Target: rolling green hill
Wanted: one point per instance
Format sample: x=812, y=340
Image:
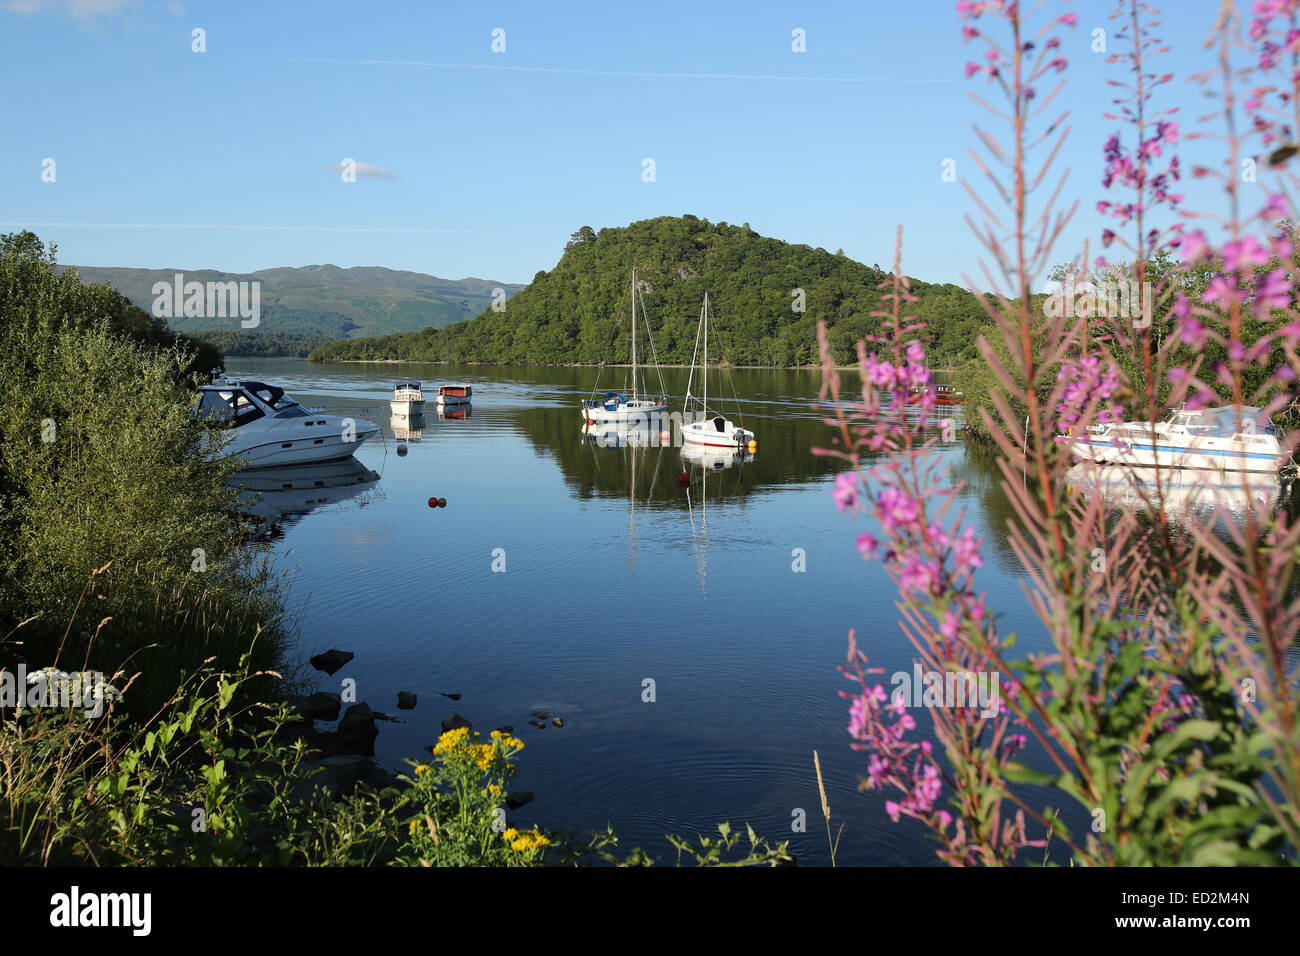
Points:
x=570, y=314
x=323, y=300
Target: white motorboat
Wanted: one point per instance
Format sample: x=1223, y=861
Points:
x=617, y=408
x=1224, y=441
x=455, y=394
x=700, y=424
x=407, y=399
x=267, y=428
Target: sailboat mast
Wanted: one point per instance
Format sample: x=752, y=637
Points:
x=634, y=335
x=704, y=372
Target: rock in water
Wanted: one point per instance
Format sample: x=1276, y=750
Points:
x=506, y=729
x=557, y=721
x=541, y=714
x=540, y=725
x=452, y=696
x=516, y=800
x=319, y=706
x=357, y=728
x=405, y=700
x=455, y=722
x=331, y=661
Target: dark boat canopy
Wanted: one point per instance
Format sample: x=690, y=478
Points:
x=397, y=385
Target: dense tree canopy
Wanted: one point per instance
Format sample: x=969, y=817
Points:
x=572, y=313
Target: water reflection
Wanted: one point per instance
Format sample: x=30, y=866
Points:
x=455, y=413
x=278, y=494
x=1190, y=497
x=407, y=428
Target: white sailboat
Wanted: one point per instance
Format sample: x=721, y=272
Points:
x=710, y=428
x=617, y=408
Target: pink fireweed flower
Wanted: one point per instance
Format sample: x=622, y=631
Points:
x=1194, y=247
x=881, y=374
x=966, y=551
x=1192, y=332
x=1273, y=292
x=845, y=492
x=867, y=544
x=896, y=509
x=1243, y=254
x=1221, y=292
x=920, y=575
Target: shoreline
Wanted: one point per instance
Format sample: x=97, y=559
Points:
x=768, y=368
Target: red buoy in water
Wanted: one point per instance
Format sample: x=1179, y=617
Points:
x=433, y=502
x=684, y=479
x=442, y=502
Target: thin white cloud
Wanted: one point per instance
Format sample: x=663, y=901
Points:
x=628, y=73
x=241, y=227
x=364, y=170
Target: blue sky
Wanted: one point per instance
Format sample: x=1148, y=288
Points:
x=167, y=158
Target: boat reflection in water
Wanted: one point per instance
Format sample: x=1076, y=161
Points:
x=624, y=435
x=455, y=413
x=277, y=494
x=407, y=428
x=1192, y=497
x=697, y=462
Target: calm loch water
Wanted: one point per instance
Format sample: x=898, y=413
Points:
x=613, y=573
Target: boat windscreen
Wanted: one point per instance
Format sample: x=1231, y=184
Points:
x=273, y=396
x=1223, y=422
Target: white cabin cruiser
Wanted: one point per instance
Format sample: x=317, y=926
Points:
x=407, y=399
x=1226, y=441
x=268, y=428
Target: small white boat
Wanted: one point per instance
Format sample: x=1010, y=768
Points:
x=268, y=428
x=1224, y=441
x=454, y=394
x=619, y=409
x=708, y=427
x=407, y=399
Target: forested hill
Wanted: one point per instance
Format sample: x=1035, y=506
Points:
x=568, y=315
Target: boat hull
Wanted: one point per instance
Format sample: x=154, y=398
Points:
x=1221, y=457
x=708, y=435
x=266, y=449
x=640, y=415
x=406, y=408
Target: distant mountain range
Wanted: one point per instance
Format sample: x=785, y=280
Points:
x=322, y=302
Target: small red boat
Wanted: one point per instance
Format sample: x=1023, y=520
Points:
x=943, y=394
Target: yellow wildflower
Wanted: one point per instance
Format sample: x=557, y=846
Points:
x=494, y=788
x=510, y=834
x=530, y=840
x=421, y=768
x=451, y=740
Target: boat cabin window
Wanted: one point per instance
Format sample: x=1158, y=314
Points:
x=720, y=423
x=226, y=407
